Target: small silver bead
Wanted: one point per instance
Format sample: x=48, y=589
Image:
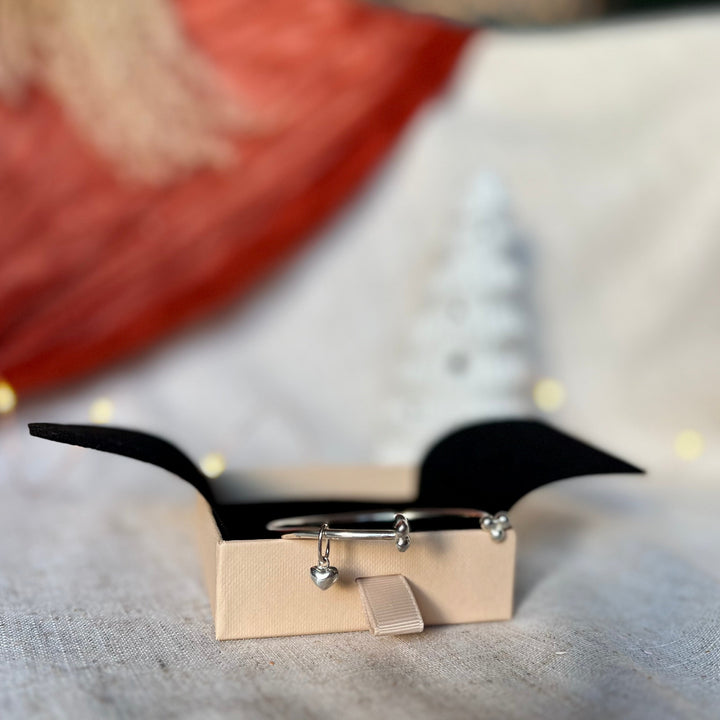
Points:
x=403, y=543
x=496, y=525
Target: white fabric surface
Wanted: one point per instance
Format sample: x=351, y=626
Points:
x=606, y=140
x=104, y=614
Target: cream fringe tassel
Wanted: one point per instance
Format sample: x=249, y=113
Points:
x=127, y=78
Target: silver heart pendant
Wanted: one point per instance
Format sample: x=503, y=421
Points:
x=324, y=576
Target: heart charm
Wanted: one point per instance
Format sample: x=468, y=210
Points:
x=324, y=575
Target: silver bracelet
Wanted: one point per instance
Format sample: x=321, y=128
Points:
x=318, y=527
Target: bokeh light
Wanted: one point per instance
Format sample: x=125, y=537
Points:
x=213, y=464
x=689, y=445
x=102, y=411
x=8, y=398
x=549, y=394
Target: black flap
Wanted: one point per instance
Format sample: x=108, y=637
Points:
x=488, y=466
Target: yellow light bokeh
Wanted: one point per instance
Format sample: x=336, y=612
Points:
x=549, y=395
x=102, y=411
x=8, y=398
x=689, y=445
x=213, y=464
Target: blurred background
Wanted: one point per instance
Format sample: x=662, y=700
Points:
x=330, y=231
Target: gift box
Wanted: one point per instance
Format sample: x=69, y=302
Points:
x=262, y=587
x=459, y=567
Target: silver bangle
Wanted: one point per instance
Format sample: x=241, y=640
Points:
x=317, y=527
x=307, y=526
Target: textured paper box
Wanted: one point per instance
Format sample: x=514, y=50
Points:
x=262, y=588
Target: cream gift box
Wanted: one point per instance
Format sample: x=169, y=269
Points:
x=262, y=588
x=259, y=584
